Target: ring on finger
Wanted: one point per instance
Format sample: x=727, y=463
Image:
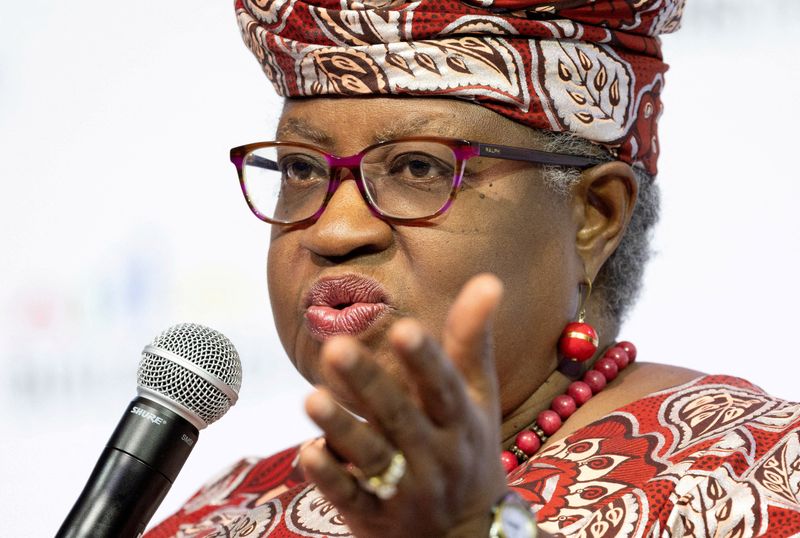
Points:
x=383, y=485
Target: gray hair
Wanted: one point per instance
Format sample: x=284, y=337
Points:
x=618, y=283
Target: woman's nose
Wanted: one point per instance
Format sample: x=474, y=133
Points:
x=347, y=227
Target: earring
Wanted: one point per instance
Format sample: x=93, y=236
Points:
x=579, y=340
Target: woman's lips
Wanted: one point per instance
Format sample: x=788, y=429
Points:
x=324, y=321
x=348, y=304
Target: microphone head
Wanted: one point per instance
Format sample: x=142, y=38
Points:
x=193, y=370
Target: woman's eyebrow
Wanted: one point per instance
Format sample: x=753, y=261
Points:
x=410, y=127
x=296, y=127
x=299, y=127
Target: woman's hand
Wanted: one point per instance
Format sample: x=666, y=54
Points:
x=449, y=432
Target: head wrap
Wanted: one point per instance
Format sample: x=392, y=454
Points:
x=590, y=67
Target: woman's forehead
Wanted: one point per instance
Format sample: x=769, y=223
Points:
x=331, y=122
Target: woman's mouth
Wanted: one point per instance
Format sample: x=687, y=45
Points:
x=348, y=304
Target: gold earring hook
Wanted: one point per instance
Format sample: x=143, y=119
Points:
x=585, y=290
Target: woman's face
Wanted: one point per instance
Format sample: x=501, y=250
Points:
x=505, y=220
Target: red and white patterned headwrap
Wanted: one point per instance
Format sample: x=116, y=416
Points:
x=590, y=67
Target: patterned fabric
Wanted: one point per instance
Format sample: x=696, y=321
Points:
x=714, y=457
x=590, y=67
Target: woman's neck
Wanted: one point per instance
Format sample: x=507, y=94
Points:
x=525, y=414
x=556, y=383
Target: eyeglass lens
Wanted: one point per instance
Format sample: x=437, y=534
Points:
x=409, y=179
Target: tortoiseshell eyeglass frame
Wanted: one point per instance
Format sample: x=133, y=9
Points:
x=463, y=150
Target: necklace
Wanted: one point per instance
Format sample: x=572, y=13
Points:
x=604, y=371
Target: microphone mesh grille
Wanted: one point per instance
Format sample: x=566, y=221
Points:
x=207, y=349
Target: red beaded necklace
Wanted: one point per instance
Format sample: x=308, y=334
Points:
x=604, y=371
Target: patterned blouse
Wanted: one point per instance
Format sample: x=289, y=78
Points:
x=714, y=457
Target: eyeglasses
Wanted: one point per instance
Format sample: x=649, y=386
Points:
x=406, y=180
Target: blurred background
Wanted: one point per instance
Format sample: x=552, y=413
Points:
x=120, y=215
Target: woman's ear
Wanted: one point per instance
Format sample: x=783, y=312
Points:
x=603, y=202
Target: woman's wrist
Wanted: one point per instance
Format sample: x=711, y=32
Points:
x=510, y=517
x=477, y=527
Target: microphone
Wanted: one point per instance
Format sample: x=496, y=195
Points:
x=188, y=377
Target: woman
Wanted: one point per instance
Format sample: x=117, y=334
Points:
x=477, y=389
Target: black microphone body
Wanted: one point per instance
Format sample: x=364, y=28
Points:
x=133, y=474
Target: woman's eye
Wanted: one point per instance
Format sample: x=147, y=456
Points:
x=418, y=166
x=299, y=169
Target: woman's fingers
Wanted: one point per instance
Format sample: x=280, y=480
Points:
x=467, y=337
x=388, y=406
x=347, y=437
x=334, y=482
x=438, y=383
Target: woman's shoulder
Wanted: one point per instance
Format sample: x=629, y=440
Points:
x=637, y=381
x=702, y=403
x=670, y=456
x=686, y=408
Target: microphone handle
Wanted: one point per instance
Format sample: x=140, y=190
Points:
x=133, y=474
x=119, y=499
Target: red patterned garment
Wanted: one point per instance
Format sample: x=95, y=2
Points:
x=714, y=457
x=589, y=67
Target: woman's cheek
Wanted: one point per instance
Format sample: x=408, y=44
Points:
x=284, y=286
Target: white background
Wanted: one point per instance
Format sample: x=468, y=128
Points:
x=120, y=215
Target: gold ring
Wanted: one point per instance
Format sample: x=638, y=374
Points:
x=384, y=485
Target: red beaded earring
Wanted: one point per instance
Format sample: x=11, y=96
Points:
x=579, y=340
